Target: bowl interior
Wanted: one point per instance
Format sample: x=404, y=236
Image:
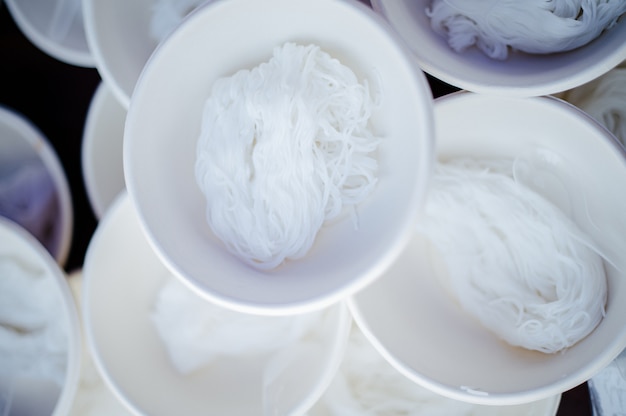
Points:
x=418, y=326
x=121, y=267
x=120, y=54
x=30, y=395
x=520, y=75
x=164, y=121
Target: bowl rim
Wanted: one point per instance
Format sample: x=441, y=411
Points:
x=44, y=151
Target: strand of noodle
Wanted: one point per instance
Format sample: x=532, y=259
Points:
x=283, y=148
x=514, y=260
x=532, y=26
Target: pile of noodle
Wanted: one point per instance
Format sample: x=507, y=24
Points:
x=514, y=260
x=604, y=99
x=533, y=26
x=196, y=332
x=167, y=14
x=283, y=148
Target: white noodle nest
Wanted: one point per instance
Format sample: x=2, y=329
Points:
x=604, y=99
x=514, y=260
x=533, y=26
x=196, y=332
x=283, y=148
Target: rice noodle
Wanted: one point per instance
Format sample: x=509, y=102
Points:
x=604, y=99
x=514, y=260
x=284, y=147
x=196, y=332
x=533, y=26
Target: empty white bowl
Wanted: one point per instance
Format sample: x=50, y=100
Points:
x=23, y=150
x=56, y=27
x=519, y=75
x=421, y=329
x=163, y=126
x=101, y=151
x=43, y=388
x=122, y=278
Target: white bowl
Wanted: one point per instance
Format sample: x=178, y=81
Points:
x=380, y=386
x=121, y=269
x=28, y=394
x=520, y=75
x=163, y=126
x=101, y=151
x=56, y=27
x=415, y=323
x=120, y=53
x=22, y=146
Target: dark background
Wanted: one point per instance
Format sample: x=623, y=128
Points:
x=55, y=97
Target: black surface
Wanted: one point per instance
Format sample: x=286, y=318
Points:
x=55, y=97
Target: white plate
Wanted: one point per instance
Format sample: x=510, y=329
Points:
x=101, y=151
x=122, y=277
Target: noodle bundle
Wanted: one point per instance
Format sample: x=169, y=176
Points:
x=514, y=260
x=604, y=99
x=283, y=148
x=196, y=332
x=533, y=26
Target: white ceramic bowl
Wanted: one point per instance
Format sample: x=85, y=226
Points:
x=120, y=53
x=380, y=389
x=32, y=396
x=22, y=145
x=415, y=323
x=56, y=27
x=164, y=121
x=520, y=75
x=101, y=151
x=121, y=269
